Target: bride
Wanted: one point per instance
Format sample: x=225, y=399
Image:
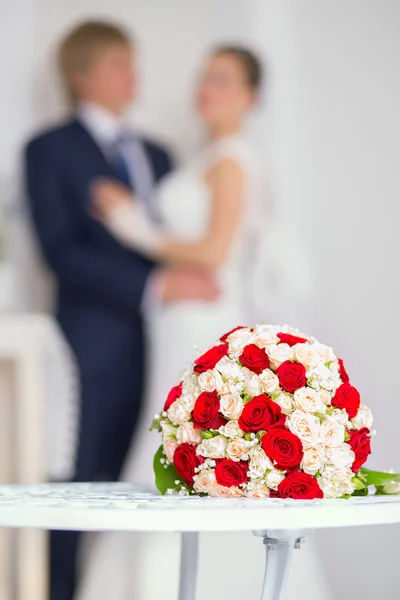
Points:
x=213, y=213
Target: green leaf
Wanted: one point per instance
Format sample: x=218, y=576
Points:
x=155, y=425
x=359, y=484
x=363, y=492
x=347, y=437
x=165, y=477
x=378, y=478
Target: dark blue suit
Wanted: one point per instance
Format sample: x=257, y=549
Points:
x=100, y=288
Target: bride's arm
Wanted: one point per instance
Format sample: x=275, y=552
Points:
x=124, y=217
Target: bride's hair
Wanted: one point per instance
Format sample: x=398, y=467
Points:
x=250, y=63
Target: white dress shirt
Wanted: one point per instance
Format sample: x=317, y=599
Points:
x=107, y=129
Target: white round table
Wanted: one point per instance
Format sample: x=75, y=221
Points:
x=282, y=524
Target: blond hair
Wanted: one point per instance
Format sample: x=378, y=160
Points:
x=82, y=45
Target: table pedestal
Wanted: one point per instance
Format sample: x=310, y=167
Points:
x=279, y=547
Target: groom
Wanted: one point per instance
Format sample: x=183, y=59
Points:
x=102, y=288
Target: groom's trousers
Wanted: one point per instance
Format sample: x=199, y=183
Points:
x=109, y=412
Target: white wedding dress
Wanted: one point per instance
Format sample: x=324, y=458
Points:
x=145, y=566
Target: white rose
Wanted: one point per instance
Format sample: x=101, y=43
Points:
x=231, y=406
x=341, y=456
x=168, y=430
x=237, y=449
x=269, y=381
x=170, y=445
x=273, y=478
x=186, y=433
x=279, y=354
x=259, y=462
x=285, y=402
x=306, y=427
x=313, y=459
x=342, y=475
x=308, y=400
x=265, y=335
x=231, y=430
x=213, y=448
x=253, y=385
x=332, y=433
x=178, y=413
x=257, y=491
x=238, y=340
x=230, y=369
x=205, y=481
x=363, y=418
x=325, y=353
x=207, y=381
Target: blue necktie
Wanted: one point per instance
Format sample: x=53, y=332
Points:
x=120, y=164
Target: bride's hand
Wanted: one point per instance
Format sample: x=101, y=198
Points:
x=107, y=196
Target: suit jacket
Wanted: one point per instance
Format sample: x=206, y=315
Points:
x=100, y=283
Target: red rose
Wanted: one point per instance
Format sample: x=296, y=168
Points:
x=299, y=486
x=174, y=394
x=254, y=358
x=230, y=472
x=226, y=335
x=283, y=447
x=210, y=358
x=186, y=461
x=347, y=397
x=360, y=442
x=260, y=413
x=342, y=372
x=291, y=340
x=206, y=413
x=292, y=376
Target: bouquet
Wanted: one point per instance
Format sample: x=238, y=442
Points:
x=267, y=412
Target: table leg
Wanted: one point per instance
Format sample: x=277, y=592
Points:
x=30, y=469
x=189, y=557
x=279, y=547
x=7, y=536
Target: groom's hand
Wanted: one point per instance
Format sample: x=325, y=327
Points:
x=179, y=284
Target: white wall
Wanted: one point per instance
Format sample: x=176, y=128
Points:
x=334, y=133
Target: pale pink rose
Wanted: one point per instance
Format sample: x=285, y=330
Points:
x=178, y=413
x=170, y=445
x=186, y=433
x=265, y=335
x=308, y=400
x=332, y=433
x=220, y=491
x=313, y=459
x=305, y=426
x=279, y=354
x=306, y=355
x=231, y=406
x=237, y=449
x=269, y=381
x=258, y=491
x=205, y=481
x=207, y=381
